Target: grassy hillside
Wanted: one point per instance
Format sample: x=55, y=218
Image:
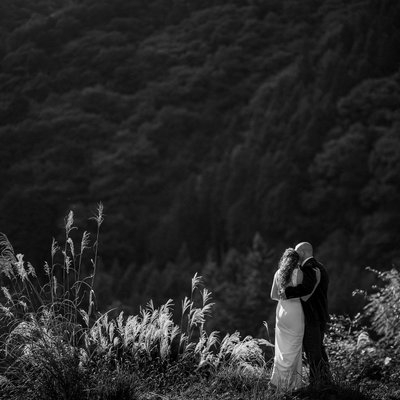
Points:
x=55, y=344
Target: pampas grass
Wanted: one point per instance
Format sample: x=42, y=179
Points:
x=57, y=345
x=44, y=318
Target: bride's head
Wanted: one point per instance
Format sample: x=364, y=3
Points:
x=288, y=262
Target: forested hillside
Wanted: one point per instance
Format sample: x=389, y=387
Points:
x=216, y=133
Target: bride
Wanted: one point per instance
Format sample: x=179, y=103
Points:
x=289, y=329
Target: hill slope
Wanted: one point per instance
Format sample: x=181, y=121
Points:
x=200, y=125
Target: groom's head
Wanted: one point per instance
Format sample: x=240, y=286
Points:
x=305, y=250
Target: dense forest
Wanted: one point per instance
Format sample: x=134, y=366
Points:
x=216, y=134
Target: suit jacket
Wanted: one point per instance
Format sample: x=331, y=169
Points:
x=316, y=307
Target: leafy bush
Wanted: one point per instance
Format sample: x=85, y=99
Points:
x=355, y=357
x=351, y=362
x=383, y=307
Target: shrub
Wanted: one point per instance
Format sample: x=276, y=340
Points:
x=354, y=356
x=383, y=307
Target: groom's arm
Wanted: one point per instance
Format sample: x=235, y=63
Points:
x=304, y=288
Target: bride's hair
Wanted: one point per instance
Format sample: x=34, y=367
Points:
x=288, y=262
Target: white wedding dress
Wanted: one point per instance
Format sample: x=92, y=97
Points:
x=289, y=331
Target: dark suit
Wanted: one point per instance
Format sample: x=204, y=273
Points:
x=316, y=317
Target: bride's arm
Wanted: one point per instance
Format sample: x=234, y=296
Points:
x=274, y=289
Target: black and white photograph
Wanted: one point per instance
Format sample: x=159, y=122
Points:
x=199, y=199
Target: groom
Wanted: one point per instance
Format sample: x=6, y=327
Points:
x=315, y=312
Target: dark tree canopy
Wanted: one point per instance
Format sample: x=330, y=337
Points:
x=202, y=125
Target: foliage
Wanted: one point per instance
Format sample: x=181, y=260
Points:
x=364, y=349
x=56, y=344
x=356, y=360
x=382, y=308
x=53, y=348
x=200, y=124
x=44, y=323
x=106, y=384
x=241, y=287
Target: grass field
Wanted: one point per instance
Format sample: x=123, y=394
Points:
x=56, y=345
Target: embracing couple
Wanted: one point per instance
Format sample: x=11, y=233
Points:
x=300, y=286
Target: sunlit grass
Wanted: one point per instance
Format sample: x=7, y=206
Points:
x=55, y=344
